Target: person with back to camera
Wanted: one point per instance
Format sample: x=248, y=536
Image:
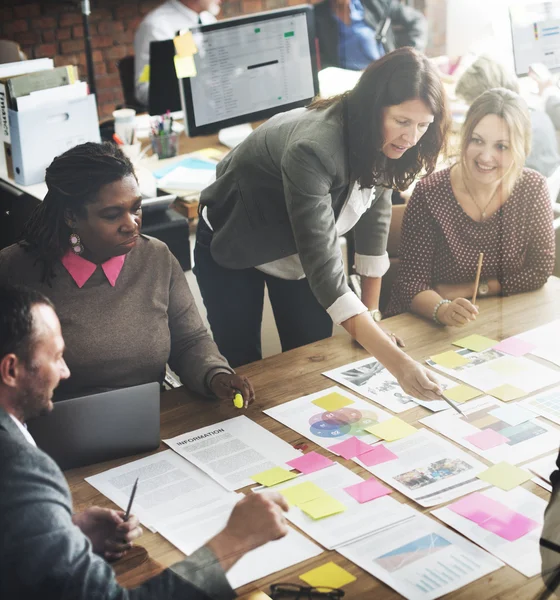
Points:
x=123, y=301
x=487, y=202
x=283, y=197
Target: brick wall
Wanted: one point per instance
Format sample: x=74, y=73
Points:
x=54, y=29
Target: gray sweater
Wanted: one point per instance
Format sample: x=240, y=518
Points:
x=124, y=335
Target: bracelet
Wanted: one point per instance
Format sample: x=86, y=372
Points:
x=436, y=308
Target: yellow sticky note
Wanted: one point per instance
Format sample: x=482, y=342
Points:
x=332, y=402
x=505, y=476
x=391, y=429
x=328, y=575
x=145, y=75
x=461, y=393
x=273, y=476
x=475, y=342
x=450, y=359
x=508, y=366
x=302, y=493
x=184, y=44
x=184, y=66
x=507, y=392
x=321, y=507
x=211, y=153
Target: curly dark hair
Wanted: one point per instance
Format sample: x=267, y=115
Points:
x=401, y=75
x=73, y=179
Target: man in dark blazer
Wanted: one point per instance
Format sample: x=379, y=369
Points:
x=46, y=552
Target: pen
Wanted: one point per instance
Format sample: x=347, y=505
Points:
x=453, y=406
x=238, y=400
x=118, y=139
x=133, y=493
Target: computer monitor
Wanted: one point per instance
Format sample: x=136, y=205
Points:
x=163, y=94
x=251, y=68
x=535, y=30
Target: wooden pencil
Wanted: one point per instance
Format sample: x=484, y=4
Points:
x=477, y=279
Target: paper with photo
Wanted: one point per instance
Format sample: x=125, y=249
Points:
x=545, y=338
x=491, y=369
x=546, y=404
x=371, y=379
x=543, y=467
x=524, y=441
x=232, y=451
x=167, y=485
x=326, y=428
x=522, y=554
x=420, y=558
x=206, y=522
x=356, y=521
x=429, y=469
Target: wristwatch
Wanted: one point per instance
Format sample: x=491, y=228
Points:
x=483, y=288
x=376, y=315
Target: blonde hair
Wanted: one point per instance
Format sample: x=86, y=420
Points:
x=510, y=107
x=483, y=75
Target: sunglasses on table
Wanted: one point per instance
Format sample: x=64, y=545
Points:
x=302, y=592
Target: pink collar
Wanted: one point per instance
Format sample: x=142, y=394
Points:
x=81, y=269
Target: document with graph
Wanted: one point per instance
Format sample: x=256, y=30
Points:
x=420, y=558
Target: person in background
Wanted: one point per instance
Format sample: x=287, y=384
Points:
x=163, y=23
x=123, y=301
x=354, y=33
x=485, y=74
x=283, y=197
x=46, y=551
x=549, y=90
x=487, y=202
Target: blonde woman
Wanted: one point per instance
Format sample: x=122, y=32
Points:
x=487, y=202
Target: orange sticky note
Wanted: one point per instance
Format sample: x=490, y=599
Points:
x=184, y=44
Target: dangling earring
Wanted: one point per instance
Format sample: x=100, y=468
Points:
x=76, y=244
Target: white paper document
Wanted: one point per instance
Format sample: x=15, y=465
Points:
x=487, y=416
x=371, y=379
x=206, y=522
x=168, y=485
x=429, y=469
x=491, y=369
x=184, y=178
x=358, y=519
x=546, y=404
x=420, y=558
x=545, y=339
x=329, y=427
x=522, y=554
x=233, y=450
x=544, y=467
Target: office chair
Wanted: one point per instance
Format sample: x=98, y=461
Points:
x=126, y=74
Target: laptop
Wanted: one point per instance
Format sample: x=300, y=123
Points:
x=90, y=429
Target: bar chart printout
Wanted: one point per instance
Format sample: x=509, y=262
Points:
x=421, y=559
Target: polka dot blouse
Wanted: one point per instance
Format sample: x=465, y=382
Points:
x=440, y=243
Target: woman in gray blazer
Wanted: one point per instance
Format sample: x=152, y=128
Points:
x=283, y=197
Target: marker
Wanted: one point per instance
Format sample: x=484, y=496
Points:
x=118, y=139
x=238, y=400
x=127, y=514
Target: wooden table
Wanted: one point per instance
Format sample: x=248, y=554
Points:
x=287, y=376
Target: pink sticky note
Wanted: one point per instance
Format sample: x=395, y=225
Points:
x=486, y=439
x=515, y=346
x=350, y=448
x=367, y=490
x=494, y=516
x=310, y=462
x=377, y=455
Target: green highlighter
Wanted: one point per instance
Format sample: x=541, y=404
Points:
x=238, y=400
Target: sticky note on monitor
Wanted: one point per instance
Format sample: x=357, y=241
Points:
x=461, y=393
x=145, y=75
x=333, y=401
x=475, y=342
x=505, y=476
x=450, y=359
x=328, y=575
x=184, y=66
x=273, y=476
x=184, y=44
x=391, y=429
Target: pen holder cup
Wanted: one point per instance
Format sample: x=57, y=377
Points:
x=165, y=145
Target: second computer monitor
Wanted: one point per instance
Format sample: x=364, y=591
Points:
x=251, y=68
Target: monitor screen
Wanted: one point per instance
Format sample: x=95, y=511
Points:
x=251, y=68
x=535, y=29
